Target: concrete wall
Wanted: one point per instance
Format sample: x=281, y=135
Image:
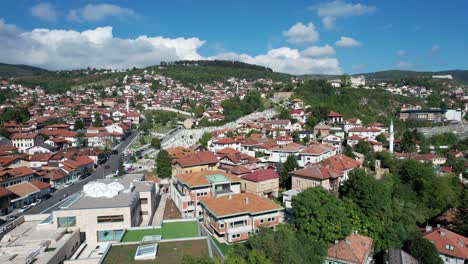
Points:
x=301, y=183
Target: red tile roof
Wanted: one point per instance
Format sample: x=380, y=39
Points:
x=261, y=175
x=24, y=136
x=334, y=114
x=317, y=172
x=4, y=192
x=197, y=159
x=448, y=242
x=40, y=184
x=353, y=249
x=241, y=203
x=340, y=163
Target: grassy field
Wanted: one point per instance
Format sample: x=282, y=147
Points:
x=168, y=231
x=168, y=252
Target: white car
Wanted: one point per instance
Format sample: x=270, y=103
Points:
x=23, y=208
x=68, y=184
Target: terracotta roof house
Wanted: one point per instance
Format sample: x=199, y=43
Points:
x=15, y=175
x=195, y=162
x=263, y=183
x=341, y=163
x=5, y=200
x=234, y=217
x=313, y=176
x=354, y=249
x=452, y=247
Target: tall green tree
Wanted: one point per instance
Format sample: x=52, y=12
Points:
x=205, y=138
x=97, y=120
x=163, y=161
x=156, y=143
x=424, y=251
x=121, y=169
x=320, y=215
x=289, y=165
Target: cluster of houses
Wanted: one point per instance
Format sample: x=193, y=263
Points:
x=48, y=152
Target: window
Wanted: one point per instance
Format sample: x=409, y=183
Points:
x=271, y=219
x=144, y=201
x=235, y=236
x=298, y=182
x=66, y=221
x=109, y=235
x=110, y=218
x=221, y=225
x=261, y=221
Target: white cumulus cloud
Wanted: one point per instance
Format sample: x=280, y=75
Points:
x=319, y=51
x=331, y=10
x=69, y=49
x=287, y=60
x=301, y=34
x=44, y=11
x=92, y=12
x=347, y=42
x=99, y=48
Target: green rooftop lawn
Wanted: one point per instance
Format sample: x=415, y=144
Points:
x=168, y=231
x=168, y=252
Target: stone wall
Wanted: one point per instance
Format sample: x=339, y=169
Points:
x=189, y=137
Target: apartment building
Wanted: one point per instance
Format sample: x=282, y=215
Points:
x=188, y=189
x=25, y=141
x=195, y=162
x=234, y=217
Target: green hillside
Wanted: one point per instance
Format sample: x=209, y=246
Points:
x=367, y=105
x=192, y=72
x=461, y=75
x=10, y=70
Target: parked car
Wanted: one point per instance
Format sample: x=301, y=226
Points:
x=68, y=184
x=23, y=208
x=11, y=217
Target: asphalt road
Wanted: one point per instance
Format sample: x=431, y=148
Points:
x=59, y=196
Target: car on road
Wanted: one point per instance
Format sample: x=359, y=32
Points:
x=107, y=167
x=114, y=152
x=11, y=218
x=68, y=184
x=24, y=208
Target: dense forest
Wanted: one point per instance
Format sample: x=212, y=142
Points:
x=193, y=72
x=11, y=70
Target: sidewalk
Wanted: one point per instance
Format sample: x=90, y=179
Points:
x=159, y=214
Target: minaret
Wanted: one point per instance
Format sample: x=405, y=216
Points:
x=128, y=107
x=390, y=146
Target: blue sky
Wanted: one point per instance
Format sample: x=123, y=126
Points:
x=289, y=36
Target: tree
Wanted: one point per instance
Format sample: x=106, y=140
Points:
x=320, y=215
x=263, y=248
x=288, y=166
x=348, y=151
x=424, y=251
x=408, y=142
x=461, y=217
x=163, y=162
x=97, y=120
x=345, y=80
x=369, y=194
x=121, y=169
x=363, y=147
x=284, y=114
x=205, y=138
x=230, y=134
x=156, y=143
x=189, y=259
x=78, y=124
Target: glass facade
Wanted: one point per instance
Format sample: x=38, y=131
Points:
x=109, y=235
x=66, y=221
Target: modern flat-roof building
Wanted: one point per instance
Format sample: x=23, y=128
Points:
x=107, y=207
x=35, y=239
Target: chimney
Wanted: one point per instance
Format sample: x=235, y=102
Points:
x=442, y=233
x=246, y=200
x=230, y=196
x=428, y=228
